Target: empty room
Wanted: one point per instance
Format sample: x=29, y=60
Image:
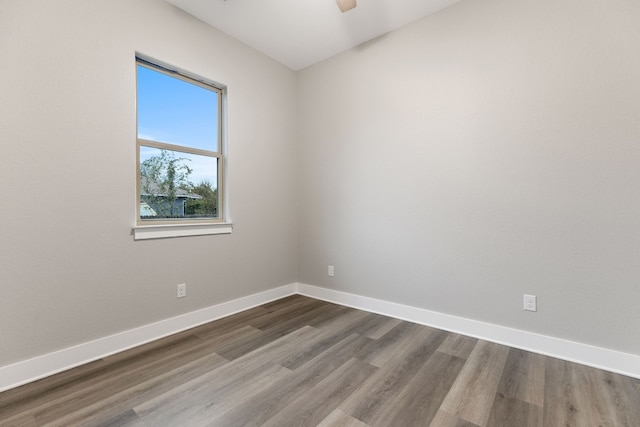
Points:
x=320, y=212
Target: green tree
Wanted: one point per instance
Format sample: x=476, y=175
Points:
x=162, y=178
x=208, y=205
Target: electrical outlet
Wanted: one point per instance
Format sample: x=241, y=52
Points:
x=330, y=271
x=530, y=303
x=182, y=290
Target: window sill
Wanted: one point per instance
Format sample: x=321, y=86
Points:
x=163, y=231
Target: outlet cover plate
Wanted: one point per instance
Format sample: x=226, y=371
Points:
x=182, y=290
x=530, y=303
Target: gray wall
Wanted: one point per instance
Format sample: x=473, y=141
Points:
x=455, y=164
x=70, y=270
x=488, y=151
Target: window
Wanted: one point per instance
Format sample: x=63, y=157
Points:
x=179, y=148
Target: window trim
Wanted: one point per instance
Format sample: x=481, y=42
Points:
x=163, y=231
x=149, y=229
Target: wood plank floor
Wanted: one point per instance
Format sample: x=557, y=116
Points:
x=304, y=362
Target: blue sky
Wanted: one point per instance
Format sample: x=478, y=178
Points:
x=177, y=112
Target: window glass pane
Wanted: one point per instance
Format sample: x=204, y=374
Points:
x=177, y=185
x=175, y=111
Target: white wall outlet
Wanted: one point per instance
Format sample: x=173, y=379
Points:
x=182, y=290
x=330, y=271
x=530, y=303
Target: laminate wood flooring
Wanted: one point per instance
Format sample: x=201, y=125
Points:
x=303, y=362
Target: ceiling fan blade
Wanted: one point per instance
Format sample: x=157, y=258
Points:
x=346, y=5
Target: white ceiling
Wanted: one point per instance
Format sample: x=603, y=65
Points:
x=299, y=33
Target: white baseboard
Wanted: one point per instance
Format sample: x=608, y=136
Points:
x=585, y=354
x=49, y=364
x=52, y=363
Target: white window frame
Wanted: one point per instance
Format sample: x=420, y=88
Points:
x=179, y=227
